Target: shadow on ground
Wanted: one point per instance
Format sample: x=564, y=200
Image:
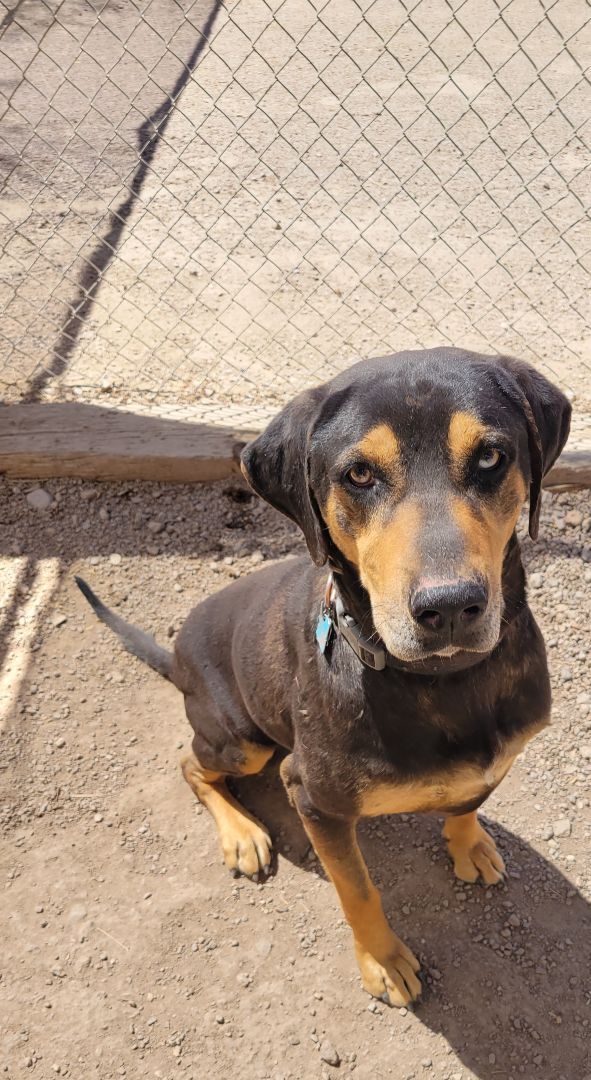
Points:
x=499, y=1001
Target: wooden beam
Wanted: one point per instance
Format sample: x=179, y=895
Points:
x=99, y=443
x=573, y=469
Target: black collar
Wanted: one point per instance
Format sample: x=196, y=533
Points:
x=333, y=619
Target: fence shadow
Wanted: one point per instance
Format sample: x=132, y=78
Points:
x=95, y=264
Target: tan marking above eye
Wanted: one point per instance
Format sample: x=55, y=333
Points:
x=380, y=446
x=464, y=433
x=346, y=520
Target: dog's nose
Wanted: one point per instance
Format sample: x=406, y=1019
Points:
x=440, y=606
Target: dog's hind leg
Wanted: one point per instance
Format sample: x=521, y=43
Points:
x=246, y=843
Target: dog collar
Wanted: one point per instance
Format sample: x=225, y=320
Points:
x=333, y=619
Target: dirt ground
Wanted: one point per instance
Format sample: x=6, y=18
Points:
x=128, y=949
x=336, y=179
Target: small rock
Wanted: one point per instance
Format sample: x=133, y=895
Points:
x=98, y=818
x=264, y=946
x=566, y=674
x=585, y=752
x=536, y=581
x=155, y=527
x=562, y=827
x=328, y=1053
x=115, y=559
x=59, y=619
x=547, y=832
x=39, y=499
x=573, y=517
x=60, y=743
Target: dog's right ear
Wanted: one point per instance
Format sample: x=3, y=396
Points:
x=276, y=465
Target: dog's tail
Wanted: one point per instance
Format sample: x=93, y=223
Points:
x=136, y=641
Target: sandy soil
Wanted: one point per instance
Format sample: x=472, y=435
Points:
x=129, y=951
x=336, y=180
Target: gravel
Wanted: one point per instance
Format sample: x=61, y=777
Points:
x=96, y=819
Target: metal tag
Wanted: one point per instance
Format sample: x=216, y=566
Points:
x=324, y=630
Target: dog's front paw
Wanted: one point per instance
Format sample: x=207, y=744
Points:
x=393, y=977
x=247, y=848
x=474, y=854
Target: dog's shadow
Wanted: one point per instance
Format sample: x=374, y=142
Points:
x=507, y=969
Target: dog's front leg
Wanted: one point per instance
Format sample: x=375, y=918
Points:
x=388, y=968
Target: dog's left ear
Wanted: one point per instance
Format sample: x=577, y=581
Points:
x=547, y=413
x=276, y=465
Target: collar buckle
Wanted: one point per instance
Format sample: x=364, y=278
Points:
x=373, y=656
x=334, y=619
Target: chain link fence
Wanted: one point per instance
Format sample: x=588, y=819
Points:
x=222, y=203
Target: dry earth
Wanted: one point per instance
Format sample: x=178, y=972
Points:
x=129, y=951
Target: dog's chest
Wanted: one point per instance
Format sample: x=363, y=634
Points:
x=462, y=786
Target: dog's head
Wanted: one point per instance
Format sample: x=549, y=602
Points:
x=413, y=469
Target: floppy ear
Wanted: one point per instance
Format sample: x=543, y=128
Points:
x=547, y=413
x=276, y=465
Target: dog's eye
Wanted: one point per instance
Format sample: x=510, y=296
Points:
x=489, y=458
x=360, y=476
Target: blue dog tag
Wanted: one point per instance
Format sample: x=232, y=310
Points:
x=324, y=630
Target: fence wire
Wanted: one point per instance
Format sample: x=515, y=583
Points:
x=226, y=202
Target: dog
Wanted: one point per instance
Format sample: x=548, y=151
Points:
x=410, y=677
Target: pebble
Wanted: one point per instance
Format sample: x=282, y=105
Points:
x=59, y=619
x=60, y=743
x=328, y=1053
x=536, y=581
x=155, y=527
x=585, y=752
x=39, y=499
x=115, y=559
x=562, y=827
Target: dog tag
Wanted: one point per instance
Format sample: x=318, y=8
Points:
x=324, y=630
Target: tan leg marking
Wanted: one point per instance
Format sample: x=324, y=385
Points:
x=388, y=968
x=473, y=851
x=245, y=842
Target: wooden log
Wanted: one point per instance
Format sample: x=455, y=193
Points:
x=99, y=443
x=80, y=440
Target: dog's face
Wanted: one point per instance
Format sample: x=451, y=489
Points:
x=413, y=470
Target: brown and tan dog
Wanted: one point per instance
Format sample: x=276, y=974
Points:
x=411, y=680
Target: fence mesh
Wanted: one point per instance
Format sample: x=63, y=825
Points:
x=225, y=202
